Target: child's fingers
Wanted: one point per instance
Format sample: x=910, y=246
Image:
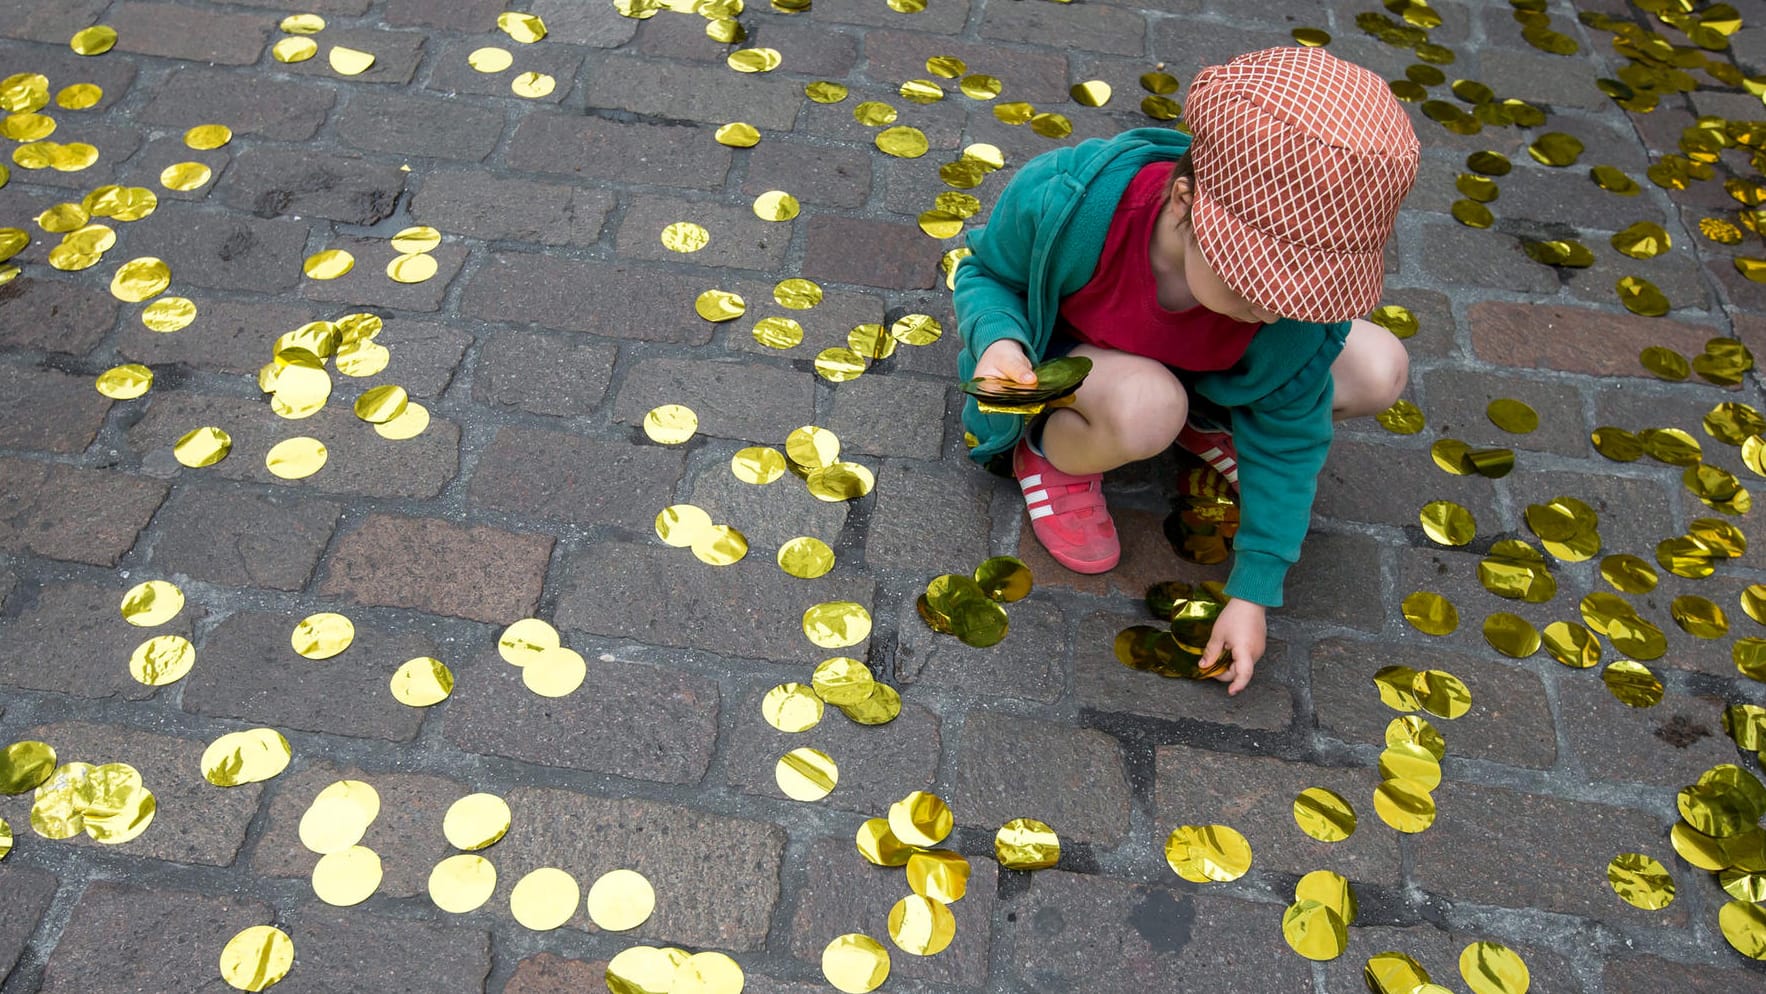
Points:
x=1216, y=644
x=1241, y=676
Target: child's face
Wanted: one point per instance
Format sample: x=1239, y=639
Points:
x=1205, y=284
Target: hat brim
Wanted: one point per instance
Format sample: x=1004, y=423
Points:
x=1294, y=281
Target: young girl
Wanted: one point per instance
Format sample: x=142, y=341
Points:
x=1228, y=265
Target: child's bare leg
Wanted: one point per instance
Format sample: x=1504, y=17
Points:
x=1129, y=408
x=1371, y=372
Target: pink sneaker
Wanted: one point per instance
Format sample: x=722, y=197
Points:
x=1067, y=513
x=1213, y=444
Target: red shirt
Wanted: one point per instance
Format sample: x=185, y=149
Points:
x=1119, y=308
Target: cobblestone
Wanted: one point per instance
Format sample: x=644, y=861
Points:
x=477, y=572
x=602, y=150
x=436, y=129
x=1102, y=683
x=279, y=109
x=493, y=209
x=54, y=316
x=745, y=401
x=177, y=32
x=1074, y=779
x=80, y=515
x=231, y=536
x=925, y=656
x=592, y=481
x=543, y=374
x=47, y=411
x=54, y=632
x=29, y=892
x=172, y=935
x=649, y=304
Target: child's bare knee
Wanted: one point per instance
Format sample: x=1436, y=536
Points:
x=1396, y=375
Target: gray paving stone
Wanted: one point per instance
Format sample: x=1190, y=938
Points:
x=1078, y=932
x=1683, y=734
x=115, y=141
x=1147, y=556
x=739, y=239
x=580, y=24
x=1438, y=951
x=228, y=336
x=1072, y=778
x=177, y=32
x=1509, y=721
x=1383, y=481
x=270, y=107
x=878, y=764
x=830, y=175
x=601, y=150
x=869, y=253
x=1102, y=683
x=895, y=56
x=1330, y=564
x=892, y=415
x=1186, y=51
x=927, y=517
x=44, y=410
x=367, y=284
x=495, y=208
x=359, y=461
x=407, y=833
x=145, y=167
x=231, y=536
x=30, y=890
x=1105, y=29
x=54, y=24
x=417, y=126
x=225, y=251
x=78, y=316
x=1643, y=974
x=452, y=74
x=425, y=355
x=269, y=181
x=583, y=481
x=364, y=952
x=468, y=16
x=629, y=719
x=439, y=567
x=348, y=8
x=1255, y=795
x=63, y=66
x=716, y=878
x=768, y=515
x=944, y=18
x=1634, y=513
x=1454, y=575
x=544, y=973
x=1458, y=400
x=843, y=893
x=1575, y=339
x=613, y=300
x=193, y=823
x=666, y=597
x=1489, y=259
x=247, y=669
x=80, y=515
x=543, y=374
x=396, y=54
x=746, y=401
x=942, y=123
x=1510, y=850
x=691, y=92
x=173, y=935
x=1679, y=277
x=1026, y=666
x=812, y=49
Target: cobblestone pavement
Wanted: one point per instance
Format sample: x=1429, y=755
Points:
x=557, y=319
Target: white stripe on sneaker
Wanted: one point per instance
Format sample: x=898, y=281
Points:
x=1041, y=512
x=1211, y=454
x=1034, y=479
x=1033, y=496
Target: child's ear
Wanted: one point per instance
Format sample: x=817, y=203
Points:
x=1182, y=194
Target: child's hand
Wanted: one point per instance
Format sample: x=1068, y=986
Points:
x=1240, y=629
x=1005, y=360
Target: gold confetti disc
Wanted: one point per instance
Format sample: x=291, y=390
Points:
x=838, y=365
x=792, y=707
x=938, y=874
x=921, y=925
x=646, y=970
x=1314, y=931
x=679, y=525
x=921, y=91
x=1430, y=613
x=79, y=96
x=349, y=61
x=1025, y=844
x=1733, y=423
x=1511, y=635
x=920, y=819
x=825, y=92
x=811, y=448
x=1412, y=764
x=840, y=481
x=65, y=219
x=201, y=447
x=754, y=59
x=250, y=756
x=1555, y=148
x=1161, y=108
x=168, y=314
x=837, y=624
x=1665, y=363
x=855, y=963
x=1204, y=853
x=1404, y=806
x=153, y=602
x=347, y=878
x=296, y=458
x=1699, y=617
x=1632, y=683
x=412, y=268
x=329, y=264
x=162, y=660
x=544, y=899
x=1395, y=318
x=1566, y=252
x=902, y=142
x=881, y=708
x=1753, y=602
x=1616, y=444
x=874, y=113
x=621, y=900
x=880, y=847
x=291, y=50
x=476, y=821
x=1641, y=881
x=738, y=134
x=1091, y=93
x=1324, y=815
x=366, y=358
x=95, y=40
x=25, y=765
x=1722, y=537
x=1396, y=687
x=797, y=294
x=5, y=838
x=685, y=236
x=257, y=958
x=1744, y=927
x=946, y=66
x=1448, y=523
x=524, y=28
x=1472, y=214
x=870, y=341
x=140, y=279
x=1493, y=968
x=555, y=672
x=533, y=85
x=806, y=558
x=806, y=774
x=777, y=332
x=940, y=224
x=333, y=824
x=1720, y=231
x=1004, y=578
x=1414, y=730
x=758, y=465
x=720, y=545
x=381, y=404
x=1641, y=297
x=843, y=681
x=1571, y=644
x=323, y=635
x=776, y=205
x=26, y=127
x=1396, y=973
x=1643, y=240
x=1441, y=693
x=185, y=176
x=1402, y=418
x=462, y=883
x=302, y=24
x=720, y=305
x=490, y=59
x=670, y=424
x=1512, y=416
x=1051, y=125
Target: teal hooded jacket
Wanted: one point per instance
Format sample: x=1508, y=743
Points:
x=1042, y=243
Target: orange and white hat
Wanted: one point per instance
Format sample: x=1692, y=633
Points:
x=1301, y=160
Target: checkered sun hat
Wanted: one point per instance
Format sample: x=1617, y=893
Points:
x=1301, y=160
